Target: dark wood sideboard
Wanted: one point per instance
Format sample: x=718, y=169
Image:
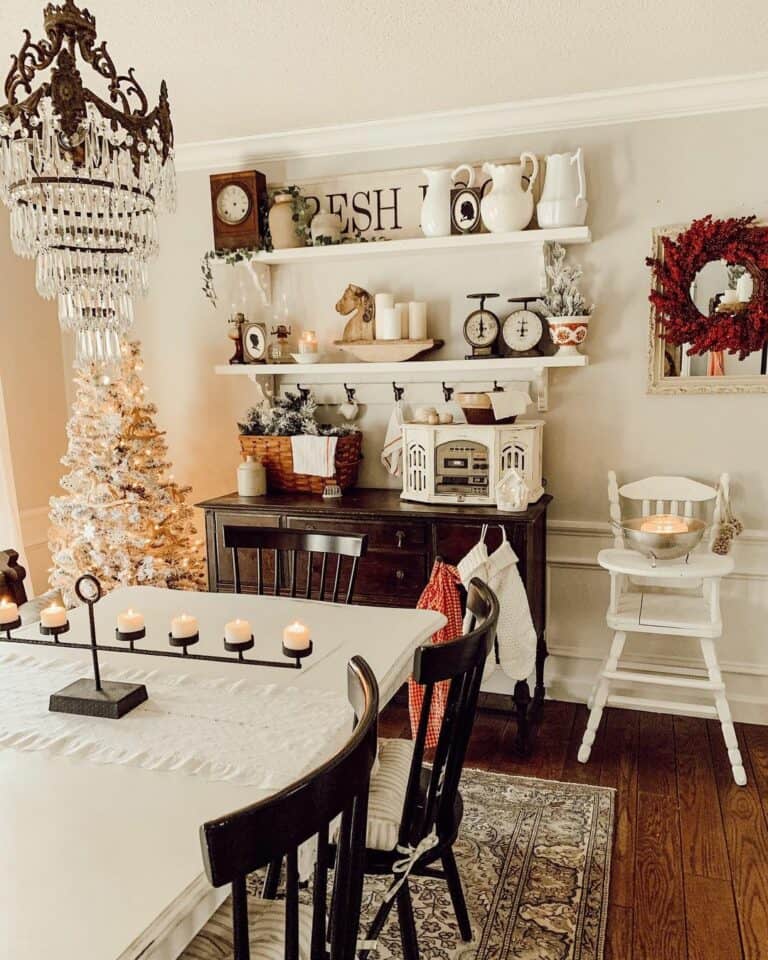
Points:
x=404, y=539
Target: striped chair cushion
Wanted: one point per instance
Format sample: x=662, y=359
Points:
x=385, y=801
x=266, y=924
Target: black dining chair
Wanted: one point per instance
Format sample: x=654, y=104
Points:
x=239, y=843
x=415, y=810
x=325, y=575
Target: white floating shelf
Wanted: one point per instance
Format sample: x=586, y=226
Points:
x=461, y=370
x=564, y=235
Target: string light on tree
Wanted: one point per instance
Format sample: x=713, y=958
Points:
x=118, y=518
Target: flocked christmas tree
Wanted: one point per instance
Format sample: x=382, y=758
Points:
x=122, y=518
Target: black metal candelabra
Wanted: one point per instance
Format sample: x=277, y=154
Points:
x=112, y=699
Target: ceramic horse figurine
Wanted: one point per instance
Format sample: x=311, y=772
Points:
x=360, y=304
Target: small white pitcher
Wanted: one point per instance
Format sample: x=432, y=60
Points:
x=509, y=205
x=563, y=200
x=436, y=208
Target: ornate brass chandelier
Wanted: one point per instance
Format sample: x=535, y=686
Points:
x=84, y=178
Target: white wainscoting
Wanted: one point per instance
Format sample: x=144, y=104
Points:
x=578, y=637
x=34, y=532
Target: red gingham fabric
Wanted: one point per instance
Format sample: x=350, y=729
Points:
x=441, y=594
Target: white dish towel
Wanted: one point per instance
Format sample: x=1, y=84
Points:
x=508, y=403
x=392, y=451
x=515, y=633
x=315, y=456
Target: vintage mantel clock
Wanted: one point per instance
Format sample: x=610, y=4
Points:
x=481, y=329
x=523, y=333
x=236, y=202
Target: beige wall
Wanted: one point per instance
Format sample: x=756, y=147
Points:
x=32, y=376
x=640, y=175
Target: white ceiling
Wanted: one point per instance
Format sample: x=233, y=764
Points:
x=240, y=67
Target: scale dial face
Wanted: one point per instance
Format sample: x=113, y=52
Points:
x=481, y=328
x=233, y=204
x=522, y=330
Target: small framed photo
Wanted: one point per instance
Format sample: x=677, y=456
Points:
x=465, y=210
x=254, y=342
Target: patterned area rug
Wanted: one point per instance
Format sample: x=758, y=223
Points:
x=534, y=857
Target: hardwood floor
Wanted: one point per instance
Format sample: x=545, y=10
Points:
x=689, y=878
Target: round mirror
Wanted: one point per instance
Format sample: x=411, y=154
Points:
x=719, y=285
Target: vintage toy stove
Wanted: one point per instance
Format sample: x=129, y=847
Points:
x=462, y=463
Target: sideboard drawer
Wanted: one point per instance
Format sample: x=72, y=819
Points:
x=412, y=537
x=394, y=579
x=224, y=570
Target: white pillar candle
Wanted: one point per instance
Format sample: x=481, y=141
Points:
x=401, y=309
x=383, y=301
x=9, y=611
x=53, y=616
x=730, y=296
x=308, y=342
x=130, y=621
x=183, y=626
x=238, y=631
x=664, y=523
x=296, y=636
x=387, y=324
x=417, y=320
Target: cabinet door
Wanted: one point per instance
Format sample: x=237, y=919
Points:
x=224, y=571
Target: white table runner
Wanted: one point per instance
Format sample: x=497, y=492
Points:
x=212, y=728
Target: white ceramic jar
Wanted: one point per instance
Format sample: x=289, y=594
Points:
x=282, y=226
x=251, y=478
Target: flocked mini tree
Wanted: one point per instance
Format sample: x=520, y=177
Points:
x=122, y=517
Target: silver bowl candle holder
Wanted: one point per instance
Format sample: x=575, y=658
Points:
x=662, y=545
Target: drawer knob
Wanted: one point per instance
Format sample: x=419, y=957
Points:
x=400, y=537
x=400, y=574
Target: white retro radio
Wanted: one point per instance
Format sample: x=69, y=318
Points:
x=462, y=463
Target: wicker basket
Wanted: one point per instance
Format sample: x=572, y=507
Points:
x=275, y=453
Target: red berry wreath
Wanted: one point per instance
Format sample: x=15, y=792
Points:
x=736, y=241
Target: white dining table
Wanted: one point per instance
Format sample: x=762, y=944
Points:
x=103, y=861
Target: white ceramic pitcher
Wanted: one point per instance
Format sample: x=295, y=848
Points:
x=436, y=208
x=509, y=205
x=563, y=200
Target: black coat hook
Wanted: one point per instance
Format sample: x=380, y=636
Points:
x=447, y=393
x=350, y=391
x=304, y=392
x=398, y=391
x=497, y=388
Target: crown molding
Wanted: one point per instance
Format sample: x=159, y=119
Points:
x=598, y=108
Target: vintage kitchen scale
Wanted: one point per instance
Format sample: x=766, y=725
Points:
x=462, y=463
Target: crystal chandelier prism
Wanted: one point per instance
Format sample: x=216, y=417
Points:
x=84, y=178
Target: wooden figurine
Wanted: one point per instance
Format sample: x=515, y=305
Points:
x=360, y=304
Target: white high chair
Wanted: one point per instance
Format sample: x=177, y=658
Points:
x=676, y=598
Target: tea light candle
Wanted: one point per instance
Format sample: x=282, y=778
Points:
x=308, y=342
x=417, y=320
x=238, y=631
x=9, y=611
x=664, y=523
x=183, y=626
x=130, y=621
x=53, y=616
x=296, y=636
x=387, y=324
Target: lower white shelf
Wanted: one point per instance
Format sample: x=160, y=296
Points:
x=463, y=370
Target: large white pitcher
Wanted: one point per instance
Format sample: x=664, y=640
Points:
x=563, y=200
x=436, y=208
x=509, y=205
